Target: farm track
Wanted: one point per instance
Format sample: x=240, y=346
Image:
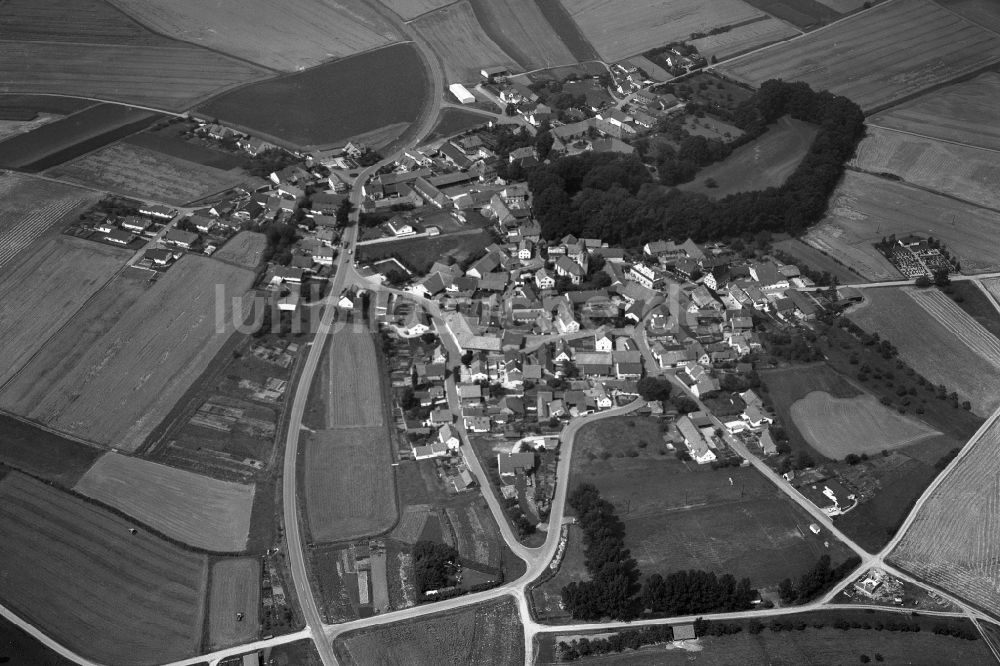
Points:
x=960, y=323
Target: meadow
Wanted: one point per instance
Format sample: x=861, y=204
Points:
x=75, y=571
x=744, y=37
x=523, y=31
x=245, y=249
x=457, y=38
x=451, y=121
x=235, y=588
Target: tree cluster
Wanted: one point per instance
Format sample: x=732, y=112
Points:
x=281, y=237
x=816, y=581
x=630, y=639
x=654, y=388
x=689, y=592
x=433, y=565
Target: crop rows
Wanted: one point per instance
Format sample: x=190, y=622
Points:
x=963, y=326
x=15, y=238
x=744, y=38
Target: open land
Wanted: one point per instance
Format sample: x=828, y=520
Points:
x=134, y=171
x=456, y=37
x=235, y=589
x=964, y=112
x=410, y=9
x=17, y=644
x=113, y=385
x=766, y=162
x=334, y=102
x=346, y=390
x=21, y=105
x=488, y=634
x=169, y=139
x=38, y=301
x=878, y=57
x=245, y=249
x=569, y=32
x=43, y=454
x=451, y=121
x=963, y=172
x=804, y=14
x=864, y=208
x=291, y=36
x=191, y=508
x=523, y=31
x=807, y=255
x=624, y=28
x=952, y=542
x=974, y=298
x=743, y=38
x=12, y=127
x=984, y=12
x=74, y=570
x=90, y=21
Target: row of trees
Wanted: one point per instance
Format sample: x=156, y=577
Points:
x=816, y=581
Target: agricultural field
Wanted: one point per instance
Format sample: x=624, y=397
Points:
x=43, y=454
x=245, y=249
x=865, y=208
x=624, y=28
x=90, y=21
x=235, y=588
x=39, y=301
x=984, y=12
x=973, y=297
x=17, y=644
x=291, y=36
x=193, y=509
x=766, y=162
x=938, y=340
x=966, y=173
x=838, y=426
x=376, y=93
x=349, y=486
x=134, y=171
x=804, y=14
x=456, y=37
x=12, y=127
x=170, y=139
x=523, y=32
x=743, y=38
x=411, y=9
x=111, y=381
x=952, y=541
x=964, y=112
x=346, y=390
x=877, y=57
x=75, y=571
x=487, y=634
x=569, y=32
x=451, y=121
x=816, y=260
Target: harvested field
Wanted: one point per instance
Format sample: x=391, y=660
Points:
x=191, y=508
x=89, y=21
x=952, y=542
x=964, y=112
x=75, y=571
x=804, y=14
x=984, y=12
x=245, y=249
x=410, y=9
x=743, y=38
x=879, y=56
x=38, y=301
x=487, y=634
x=760, y=164
x=349, y=487
x=113, y=381
x=376, y=91
x=456, y=37
x=134, y=171
x=932, y=348
x=346, y=391
x=839, y=426
x=864, y=208
x=523, y=32
x=291, y=36
x=809, y=256
x=966, y=173
x=844, y=6
x=623, y=28
x=235, y=589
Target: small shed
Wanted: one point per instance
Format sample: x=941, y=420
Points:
x=684, y=632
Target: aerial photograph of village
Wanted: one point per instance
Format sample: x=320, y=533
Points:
x=499, y=332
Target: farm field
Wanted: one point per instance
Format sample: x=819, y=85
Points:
x=523, y=32
x=946, y=346
x=43, y=454
x=245, y=249
x=17, y=644
x=169, y=140
x=569, y=32
x=134, y=171
x=349, y=486
x=12, y=103
x=191, y=508
x=76, y=572
x=337, y=101
x=91, y=21
x=878, y=57
x=451, y=121
x=111, y=381
x=291, y=36
x=743, y=38
x=487, y=634
x=973, y=297
x=458, y=40
x=804, y=14
x=964, y=112
x=766, y=162
x=410, y=9
x=235, y=589
x=959, y=171
x=952, y=541
x=346, y=391
x=623, y=28
x=984, y=12
x=864, y=208
x=38, y=301
x=12, y=127
x=809, y=256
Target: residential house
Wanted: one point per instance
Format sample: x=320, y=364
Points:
x=566, y=267
x=695, y=441
x=184, y=239
x=510, y=464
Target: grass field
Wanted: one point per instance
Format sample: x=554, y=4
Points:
x=170, y=140
x=451, y=121
x=936, y=343
x=487, y=634
x=743, y=38
x=523, y=31
x=763, y=163
x=74, y=570
x=624, y=28
x=291, y=36
x=235, y=589
x=456, y=37
x=349, y=486
x=839, y=426
x=194, y=509
x=38, y=301
x=804, y=14
x=346, y=390
x=245, y=249
x=112, y=380
x=878, y=57
x=953, y=542
x=964, y=112
x=966, y=173
x=807, y=255
x=43, y=454
x=134, y=171
x=334, y=102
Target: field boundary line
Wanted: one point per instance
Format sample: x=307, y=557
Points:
x=965, y=18
x=938, y=193
x=423, y=14
x=930, y=138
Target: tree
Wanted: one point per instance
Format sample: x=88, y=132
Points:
x=654, y=388
x=922, y=281
x=433, y=565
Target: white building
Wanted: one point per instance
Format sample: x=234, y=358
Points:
x=461, y=93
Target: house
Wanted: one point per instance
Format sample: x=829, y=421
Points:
x=159, y=256
x=648, y=276
x=755, y=417
x=768, y=276
x=566, y=267
x=135, y=224
x=413, y=324
x=120, y=237
x=512, y=463
x=603, y=342
x=184, y=239
x=433, y=450
x=767, y=443
x=478, y=424
x=287, y=274
x=448, y=436
x=157, y=211
x=355, y=149
x=202, y=223
x=398, y=226
x=695, y=441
